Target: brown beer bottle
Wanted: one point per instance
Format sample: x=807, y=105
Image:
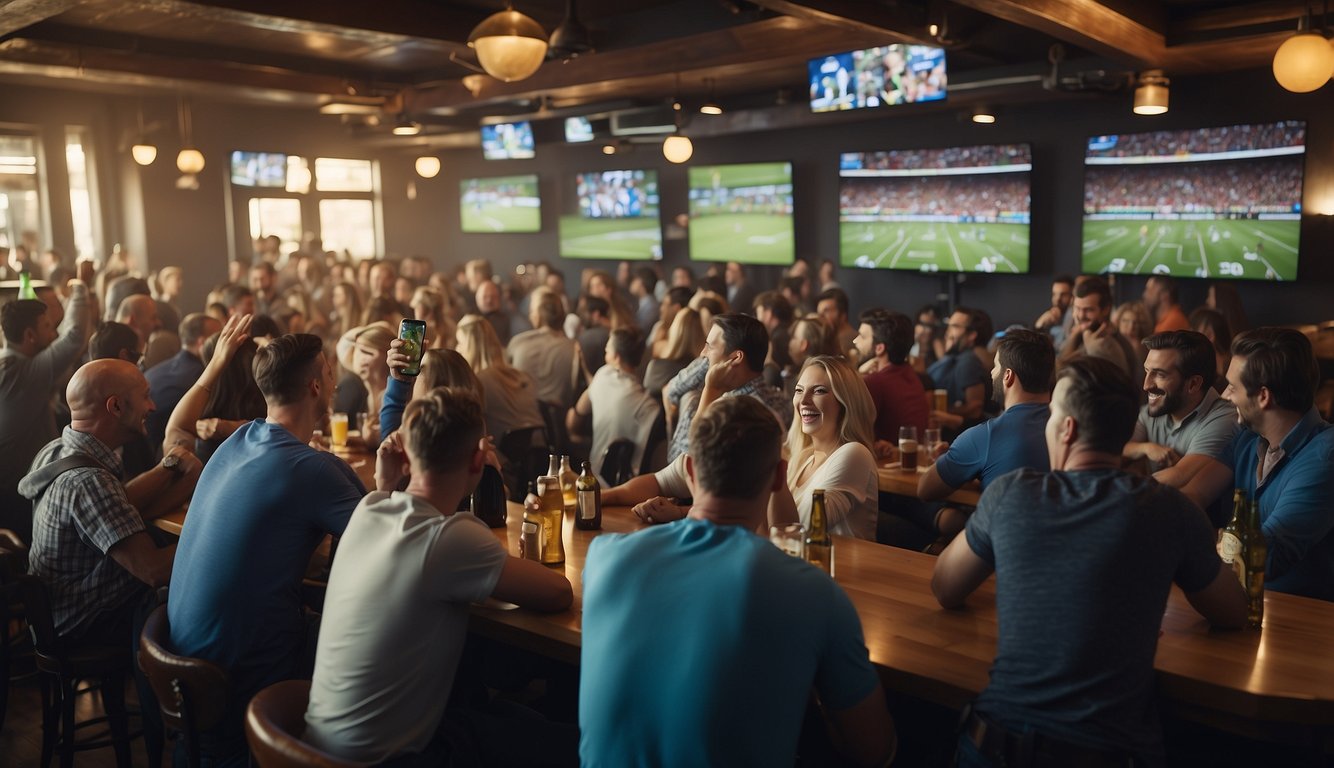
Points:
x=1254, y=552
x=1229, y=539
x=819, y=544
x=588, y=516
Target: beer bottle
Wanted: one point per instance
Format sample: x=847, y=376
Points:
x=589, y=515
x=1254, y=552
x=553, y=466
x=819, y=544
x=530, y=532
x=25, y=286
x=553, y=519
x=567, y=486
x=1229, y=540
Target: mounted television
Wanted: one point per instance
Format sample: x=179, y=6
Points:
x=500, y=204
x=259, y=169
x=614, y=216
x=741, y=213
x=508, y=141
x=578, y=130
x=877, y=77
x=959, y=209
x=1210, y=202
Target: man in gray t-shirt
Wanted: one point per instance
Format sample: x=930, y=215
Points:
x=1085, y=556
x=1185, y=427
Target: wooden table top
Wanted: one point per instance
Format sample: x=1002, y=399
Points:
x=895, y=480
x=1248, y=681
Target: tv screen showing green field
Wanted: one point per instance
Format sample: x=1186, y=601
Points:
x=500, y=204
x=959, y=209
x=1211, y=202
x=612, y=215
x=742, y=213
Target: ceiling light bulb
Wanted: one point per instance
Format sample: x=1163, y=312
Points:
x=428, y=167
x=1304, y=62
x=677, y=148
x=983, y=116
x=711, y=109
x=190, y=161
x=407, y=128
x=510, y=46
x=143, y=154
x=608, y=149
x=1151, y=95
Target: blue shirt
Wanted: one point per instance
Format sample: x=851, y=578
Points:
x=956, y=373
x=1014, y=440
x=168, y=382
x=700, y=646
x=1296, y=505
x=262, y=505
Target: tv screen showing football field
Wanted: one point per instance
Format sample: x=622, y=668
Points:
x=614, y=216
x=1212, y=202
x=959, y=209
x=742, y=213
x=500, y=204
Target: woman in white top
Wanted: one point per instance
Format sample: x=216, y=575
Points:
x=829, y=448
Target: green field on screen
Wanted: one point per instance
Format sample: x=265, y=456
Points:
x=934, y=246
x=744, y=175
x=638, y=238
x=746, y=238
x=1235, y=248
x=497, y=217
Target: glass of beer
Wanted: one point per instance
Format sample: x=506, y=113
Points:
x=790, y=538
x=908, y=448
x=942, y=400
x=930, y=442
x=338, y=430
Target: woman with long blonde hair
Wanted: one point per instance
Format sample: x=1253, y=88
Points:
x=433, y=306
x=511, y=397
x=685, y=339
x=829, y=448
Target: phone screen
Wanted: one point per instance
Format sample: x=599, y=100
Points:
x=413, y=334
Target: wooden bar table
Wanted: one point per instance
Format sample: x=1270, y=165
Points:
x=893, y=479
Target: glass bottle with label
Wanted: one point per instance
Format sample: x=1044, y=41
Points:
x=589, y=513
x=1229, y=539
x=819, y=544
x=568, y=479
x=553, y=519
x=1254, y=552
x=530, y=532
x=553, y=466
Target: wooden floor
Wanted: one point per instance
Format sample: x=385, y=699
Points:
x=21, y=738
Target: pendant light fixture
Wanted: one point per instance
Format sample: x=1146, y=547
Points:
x=1305, y=61
x=510, y=46
x=189, y=161
x=143, y=152
x=677, y=148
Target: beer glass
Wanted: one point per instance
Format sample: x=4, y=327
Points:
x=790, y=538
x=930, y=443
x=908, y=448
x=338, y=430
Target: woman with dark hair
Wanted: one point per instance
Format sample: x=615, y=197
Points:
x=346, y=313
x=1224, y=299
x=225, y=397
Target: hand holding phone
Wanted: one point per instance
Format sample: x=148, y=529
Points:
x=412, y=334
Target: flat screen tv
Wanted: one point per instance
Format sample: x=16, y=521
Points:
x=508, y=141
x=614, y=215
x=578, y=130
x=958, y=209
x=500, y=204
x=741, y=213
x=877, y=77
x=259, y=169
x=1210, y=202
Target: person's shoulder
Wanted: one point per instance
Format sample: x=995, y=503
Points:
x=853, y=452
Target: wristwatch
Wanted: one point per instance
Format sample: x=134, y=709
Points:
x=173, y=463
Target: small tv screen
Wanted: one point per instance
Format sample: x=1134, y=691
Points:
x=259, y=169
x=741, y=213
x=960, y=209
x=500, y=204
x=1211, y=202
x=578, y=130
x=614, y=216
x=877, y=77
x=508, y=141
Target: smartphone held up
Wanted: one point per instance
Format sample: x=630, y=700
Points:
x=413, y=335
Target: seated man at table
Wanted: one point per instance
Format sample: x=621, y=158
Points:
x=883, y=341
x=617, y=403
x=960, y=372
x=1084, y=557
x=391, y=637
x=1185, y=428
x=691, y=655
x=264, y=503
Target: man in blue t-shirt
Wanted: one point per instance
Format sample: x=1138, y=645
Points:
x=1021, y=381
x=263, y=504
x=1084, y=557
x=961, y=372
x=702, y=641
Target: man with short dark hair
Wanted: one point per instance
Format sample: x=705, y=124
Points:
x=1093, y=334
x=116, y=341
x=1056, y=320
x=1185, y=428
x=620, y=407
x=730, y=365
x=597, y=329
x=239, y=300
x=1085, y=556
x=832, y=307
x=392, y=637
x=168, y=380
x=262, y=278
x=1160, y=298
x=883, y=341
x=740, y=293
x=265, y=501
x=643, y=282
x=775, y=314
x=731, y=672
x=960, y=372
x=491, y=305
x=546, y=354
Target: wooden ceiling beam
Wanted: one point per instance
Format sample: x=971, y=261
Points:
x=1084, y=23
x=440, y=21
x=906, y=24
x=1239, y=17
x=17, y=14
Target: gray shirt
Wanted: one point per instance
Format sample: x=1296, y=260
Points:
x=550, y=359
x=1207, y=430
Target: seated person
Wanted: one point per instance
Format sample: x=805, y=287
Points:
x=960, y=372
x=712, y=698
x=1079, y=597
x=883, y=341
x=391, y=637
x=616, y=401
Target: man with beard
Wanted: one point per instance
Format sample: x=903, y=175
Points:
x=1093, y=334
x=1057, y=320
x=960, y=372
x=1185, y=427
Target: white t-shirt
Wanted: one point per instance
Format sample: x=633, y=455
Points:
x=394, y=625
x=622, y=409
x=851, y=491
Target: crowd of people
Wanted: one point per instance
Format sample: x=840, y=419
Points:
x=1091, y=431
x=966, y=198
x=982, y=156
x=1232, y=138
x=1271, y=185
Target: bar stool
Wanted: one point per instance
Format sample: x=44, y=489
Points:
x=274, y=722
x=191, y=693
x=13, y=564
x=616, y=461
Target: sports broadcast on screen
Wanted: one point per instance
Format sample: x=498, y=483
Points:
x=959, y=209
x=500, y=204
x=877, y=77
x=1212, y=202
x=742, y=213
x=614, y=216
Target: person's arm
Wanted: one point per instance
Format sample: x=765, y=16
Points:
x=577, y=418
x=65, y=350
x=144, y=560
x=783, y=508
x=1180, y=470
x=1223, y=602
x=216, y=429
x=723, y=378
x=1159, y=455
x=182, y=424
x=958, y=573
x=1048, y=319
x=974, y=398
x=864, y=732
x=1208, y=483
x=689, y=379
x=530, y=584
x=397, y=393
x=632, y=491
x=931, y=488
x=160, y=490
x=391, y=463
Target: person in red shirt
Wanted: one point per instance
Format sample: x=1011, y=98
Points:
x=883, y=340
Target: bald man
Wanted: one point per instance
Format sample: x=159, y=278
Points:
x=90, y=544
x=140, y=313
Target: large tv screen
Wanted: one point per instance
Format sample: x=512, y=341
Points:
x=1212, y=202
x=877, y=77
x=508, y=141
x=259, y=169
x=960, y=209
x=614, y=215
x=500, y=204
x=742, y=213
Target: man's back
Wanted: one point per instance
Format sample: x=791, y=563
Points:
x=701, y=643
x=1084, y=562
x=622, y=410
x=900, y=401
x=550, y=359
x=1013, y=440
